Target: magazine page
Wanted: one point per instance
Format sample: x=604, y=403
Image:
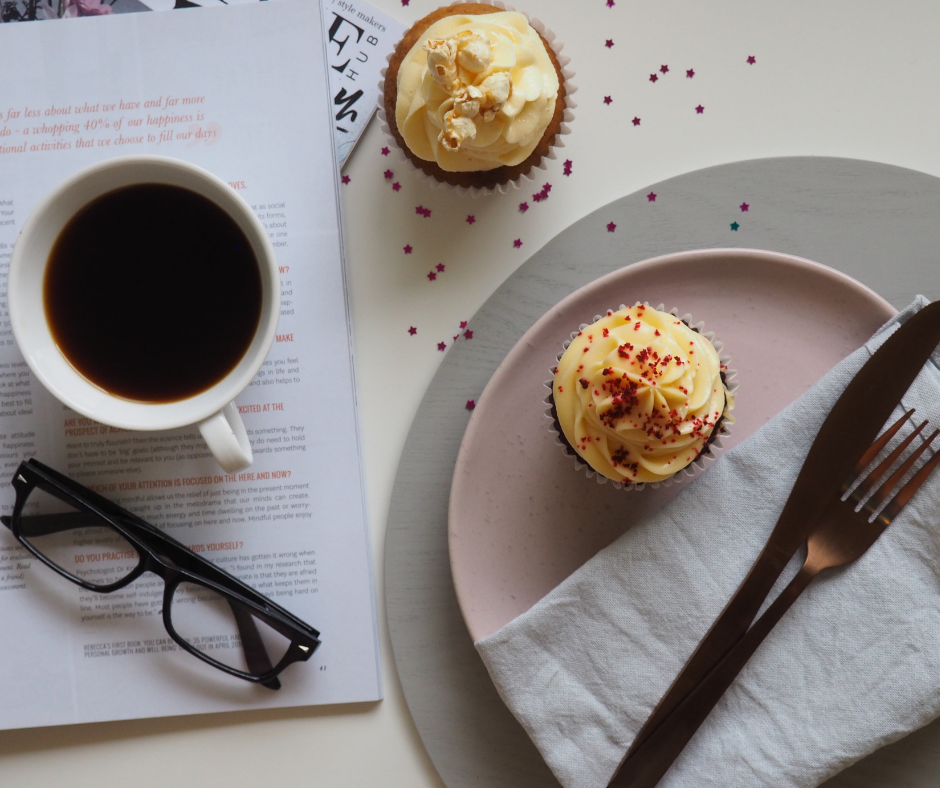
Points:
x=242, y=92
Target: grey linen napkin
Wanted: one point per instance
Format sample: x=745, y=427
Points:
x=854, y=665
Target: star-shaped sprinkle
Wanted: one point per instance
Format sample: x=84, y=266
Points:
x=440, y=267
x=389, y=175
x=463, y=323
x=442, y=346
x=611, y=227
x=568, y=164
x=407, y=248
x=471, y=219
x=664, y=69
x=744, y=206
x=471, y=404
x=405, y=2
x=751, y=60
x=346, y=179
x=422, y=211
x=607, y=99
x=689, y=73
x=735, y=226
x=523, y=207
x=654, y=78
x=610, y=3
x=651, y=197
x=537, y=197
x=636, y=121
x=396, y=186
x=432, y=276
x=699, y=109
x=468, y=334
x=517, y=243
x=413, y=330
x=385, y=151
x=610, y=43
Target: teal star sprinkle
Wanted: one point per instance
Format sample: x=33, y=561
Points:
x=735, y=226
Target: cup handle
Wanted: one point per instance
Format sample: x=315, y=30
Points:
x=225, y=434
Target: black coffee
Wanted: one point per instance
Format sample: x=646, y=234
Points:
x=153, y=293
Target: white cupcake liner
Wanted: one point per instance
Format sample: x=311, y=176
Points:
x=702, y=461
x=563, y=129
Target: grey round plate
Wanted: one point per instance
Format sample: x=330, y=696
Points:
x=874, y=222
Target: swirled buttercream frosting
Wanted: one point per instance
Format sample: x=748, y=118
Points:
x=638, y=394
x=476, y=92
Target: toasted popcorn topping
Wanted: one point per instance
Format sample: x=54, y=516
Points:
x=442, y=63
x=457, y=130
x=496, y=89
x=473, y=53
x=467, y=101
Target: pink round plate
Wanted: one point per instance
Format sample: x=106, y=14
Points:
x=522, y=519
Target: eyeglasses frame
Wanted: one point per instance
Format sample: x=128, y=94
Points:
x=174, y=563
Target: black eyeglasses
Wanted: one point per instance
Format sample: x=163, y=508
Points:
x=102, y=547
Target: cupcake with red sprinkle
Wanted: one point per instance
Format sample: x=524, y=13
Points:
x=641, y=396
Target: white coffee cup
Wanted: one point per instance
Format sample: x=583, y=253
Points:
x=213, y=410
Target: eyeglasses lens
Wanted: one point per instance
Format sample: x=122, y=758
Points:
x=225, y=631
x=76, y=540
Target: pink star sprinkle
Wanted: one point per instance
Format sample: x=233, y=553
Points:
x=346, y=179
x=432, y=276
x=636, y=121
x=385, y=151
x=654, y=78
x=689, y=73
x=568, y=164
x=664, y=69
x=523, y=207
x=468, y=334
x=744, y=206
x=607, y=99
x=471, y=404
x=610, y=3
x=651, y=197
x=463, y=323
x=471, y=219
x=537, y=197
x=442, y=346
x=517, y=243
x=420, y=210
x=405, y=2
x=455, y=337
x=413, y=330
x=407, y=248
x=396, y=186
x=611, y=227
x=440, y=267
x=610, y=43
x=699, y=109
x=751, y=60
x=389, y=175
x=547, y=188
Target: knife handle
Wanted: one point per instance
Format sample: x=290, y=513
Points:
x=654, y=757
x=724, y=633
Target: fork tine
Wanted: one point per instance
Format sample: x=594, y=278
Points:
x=875, y=449
x=875, y=476
x=905, y=493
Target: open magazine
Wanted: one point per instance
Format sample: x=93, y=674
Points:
x=241, y=92
x=359, y=38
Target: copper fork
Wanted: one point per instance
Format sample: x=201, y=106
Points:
x=849, y=527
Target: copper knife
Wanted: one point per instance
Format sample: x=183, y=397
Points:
x=851, y=426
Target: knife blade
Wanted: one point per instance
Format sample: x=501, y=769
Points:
x=850, y=427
